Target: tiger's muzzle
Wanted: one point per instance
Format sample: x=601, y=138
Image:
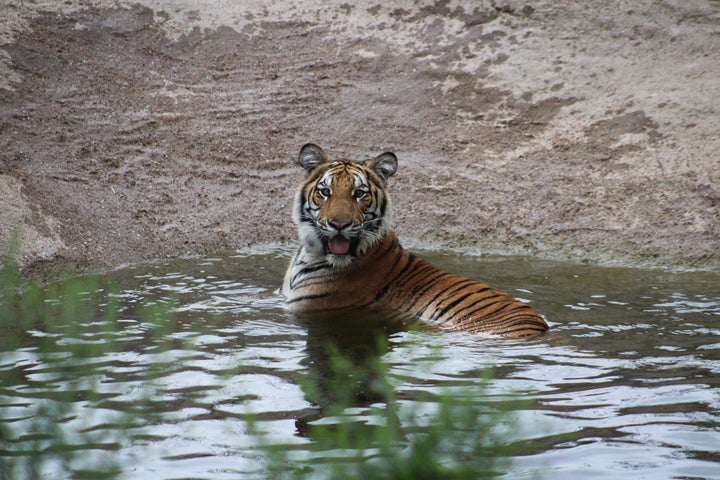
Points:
x=338, y=241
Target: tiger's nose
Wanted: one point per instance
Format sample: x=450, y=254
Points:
x=339, y=223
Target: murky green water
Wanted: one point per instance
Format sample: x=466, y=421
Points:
x=625, y=385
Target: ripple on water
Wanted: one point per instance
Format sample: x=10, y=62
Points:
x=625, y=385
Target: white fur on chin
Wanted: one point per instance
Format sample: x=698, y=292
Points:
x=314, y=247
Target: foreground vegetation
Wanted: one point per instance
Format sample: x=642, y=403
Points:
x=71, y=325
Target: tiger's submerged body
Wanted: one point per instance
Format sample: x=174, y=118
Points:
x=350, y=259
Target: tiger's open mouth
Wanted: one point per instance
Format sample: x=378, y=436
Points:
x=339, y=245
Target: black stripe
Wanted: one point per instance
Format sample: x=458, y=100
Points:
x=297, y=282
x=310, y=282
x=394, y=244
x=460, y=285
x=458, y=301
x=490, y=321
x=521, y=325
x=309, y=297
x=447, y=292
x=484, y=304
x=509, y=304
x=434, y=300
x=426, y=284
x=372, y=224
x=428, y=281
x=383, y=291
x=425, y=269
x=491, y=316
x=380, y=202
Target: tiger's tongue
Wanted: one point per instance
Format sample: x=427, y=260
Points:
x=339, y=245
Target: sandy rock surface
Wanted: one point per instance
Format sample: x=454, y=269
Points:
x=587, y=130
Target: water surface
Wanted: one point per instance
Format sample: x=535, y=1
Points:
x=625, y=385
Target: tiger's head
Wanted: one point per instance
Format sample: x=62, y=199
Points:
x=341, y=208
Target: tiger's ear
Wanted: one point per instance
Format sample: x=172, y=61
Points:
x=384, y=164
x=311, y=156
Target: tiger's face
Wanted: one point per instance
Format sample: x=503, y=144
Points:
x=341, y=209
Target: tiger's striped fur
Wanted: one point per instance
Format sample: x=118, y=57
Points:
x=349, y=259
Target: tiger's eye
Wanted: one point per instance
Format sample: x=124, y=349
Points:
x=359, y=194
x=324, y=191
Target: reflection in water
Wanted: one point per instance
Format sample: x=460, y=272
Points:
x=343, y=352
x=360, y=340
x=625, y=383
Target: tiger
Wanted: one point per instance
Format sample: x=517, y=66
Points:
x=350, y=259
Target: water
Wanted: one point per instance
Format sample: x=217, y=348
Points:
x=625, y=385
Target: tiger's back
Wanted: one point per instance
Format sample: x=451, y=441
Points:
x=396, y=282
x=350, y=259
